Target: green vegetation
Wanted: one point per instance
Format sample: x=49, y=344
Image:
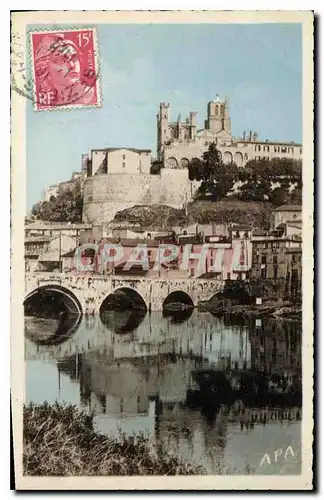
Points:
x=66, y=207
x=278, y=181
x=163, y=217
x=59, y=441
x=256, y=213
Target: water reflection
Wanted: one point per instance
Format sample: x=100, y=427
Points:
x=122, y=321
x=49, y=331
x=140, y=381
x=178, y=316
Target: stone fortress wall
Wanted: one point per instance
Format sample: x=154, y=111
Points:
x=104, y=195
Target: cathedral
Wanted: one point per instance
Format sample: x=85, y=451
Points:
x=180, y=142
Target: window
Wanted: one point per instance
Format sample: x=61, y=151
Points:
x=264, y=273
x=266, y=148
x=284, y=149
x=246, y=234
x=258, y=148
x=124, y=164
x=263, y=259
x=257, y=157
x=275, y=272
x=300, y=150
x=124, y=157
x=275, y=259
x=192, y=272
x=294, y=258
x=294, y=216
x=237, y=234
x=245, y=155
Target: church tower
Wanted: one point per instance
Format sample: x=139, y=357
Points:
x=163, y=132
x=218, y=118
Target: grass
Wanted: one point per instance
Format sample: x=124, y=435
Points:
x=59, y=441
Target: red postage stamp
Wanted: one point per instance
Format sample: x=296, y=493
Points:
x=65, y=69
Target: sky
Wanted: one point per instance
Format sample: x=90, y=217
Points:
x=259, y=66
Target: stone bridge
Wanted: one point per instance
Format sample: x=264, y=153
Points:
x=87, y=292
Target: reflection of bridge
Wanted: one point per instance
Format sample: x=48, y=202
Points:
x=88, y=292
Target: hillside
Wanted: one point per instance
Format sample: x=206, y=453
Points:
x=165, y=217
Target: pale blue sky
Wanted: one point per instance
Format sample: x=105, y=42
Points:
x=258, y=66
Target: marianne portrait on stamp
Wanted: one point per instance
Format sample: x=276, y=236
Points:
x=58, y=71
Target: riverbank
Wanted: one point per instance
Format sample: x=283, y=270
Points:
x=59, y=440
x=270, y=309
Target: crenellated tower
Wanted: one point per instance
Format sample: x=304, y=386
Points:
x=218, y=118
x=163, y=133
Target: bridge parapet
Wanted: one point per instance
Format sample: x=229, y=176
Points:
x=91, y=289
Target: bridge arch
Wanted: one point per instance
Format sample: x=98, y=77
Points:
x=123, y=310
x=55, y=296
x=52, y=314
x=178, y=296
x=124, y=297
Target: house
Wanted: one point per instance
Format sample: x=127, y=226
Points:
x=34, y=245
x=240, y=231
x=272, y=258
x=285, y=213
x=49, y=228
x=44, y=253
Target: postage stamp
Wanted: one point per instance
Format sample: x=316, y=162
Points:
x=162, y=318
x=65, y=69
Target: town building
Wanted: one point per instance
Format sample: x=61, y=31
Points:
x=278, y=259
x=44, y=253
x=52, y=190
x=49, y=228
x=180, y=142
x=119, y=160
x=286, y=214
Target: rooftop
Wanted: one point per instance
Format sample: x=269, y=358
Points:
x=110, y=150
x=241, y=227
x=269, y=143
x=130, y=242
x=43, y=224
x=88, y=252
x=38, y=239
x=288, y=208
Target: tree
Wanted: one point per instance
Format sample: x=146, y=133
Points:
x=270, y=179
x=297, y=196
x=66, y=207
x=216, y=178
x=279, y=196
x=156, y=167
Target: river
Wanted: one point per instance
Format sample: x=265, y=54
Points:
x=133, y=370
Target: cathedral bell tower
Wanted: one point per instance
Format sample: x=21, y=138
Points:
x=163, y=132
x=218, y=119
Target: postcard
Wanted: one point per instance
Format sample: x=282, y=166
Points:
x=162, y=294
